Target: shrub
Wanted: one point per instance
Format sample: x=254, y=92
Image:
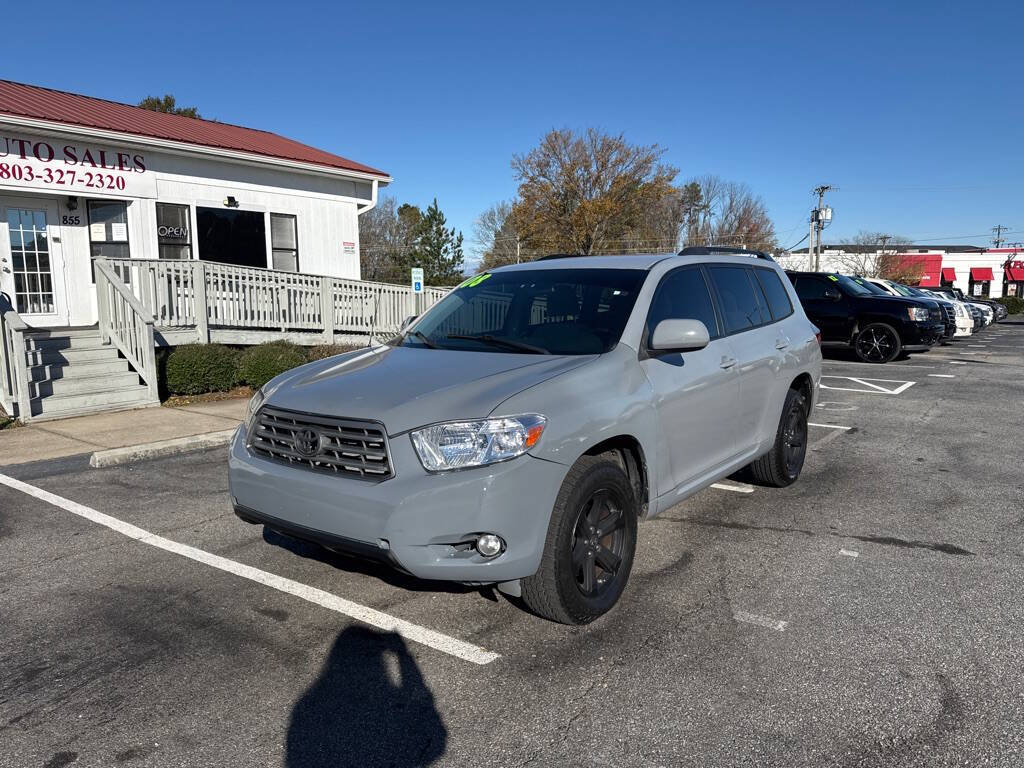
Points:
x=259, y=364
x=1014, y=304
x=193, y=369
x=323, y=351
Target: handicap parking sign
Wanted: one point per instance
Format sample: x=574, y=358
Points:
x=417, y=280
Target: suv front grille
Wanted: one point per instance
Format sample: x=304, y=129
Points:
x=349, y=447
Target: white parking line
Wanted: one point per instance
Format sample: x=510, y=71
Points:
x=408, y=630
x=942, y=375
x=849, y=553
x=761, y=621
x=957, y=362
x=734, y=487
x=872, y=388
x=875, y=365
x=827, y=426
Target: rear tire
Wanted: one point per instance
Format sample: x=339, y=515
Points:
x=781, y=466
x=590, y=544
x=877, y=343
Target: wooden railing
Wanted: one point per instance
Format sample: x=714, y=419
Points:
x=14, y=396
x=206, y=294
x=126, y=323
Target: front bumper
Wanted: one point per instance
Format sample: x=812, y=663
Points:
x=418, y=522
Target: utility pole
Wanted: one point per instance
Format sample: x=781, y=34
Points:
x=819, y=217
x=998, y=239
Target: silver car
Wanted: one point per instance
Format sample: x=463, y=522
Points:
x=518, y=431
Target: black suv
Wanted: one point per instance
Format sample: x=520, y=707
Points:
x=876, y=327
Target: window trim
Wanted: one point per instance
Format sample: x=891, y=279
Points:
x=718, y=299
x=295, y=219
x=715, y=333
x=789, y=298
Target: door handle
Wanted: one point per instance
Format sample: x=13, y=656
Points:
x=781, y=343
x=727, y=362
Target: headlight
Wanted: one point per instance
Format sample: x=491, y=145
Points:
x=462, y=444
x=919, y=314
x=254, y=405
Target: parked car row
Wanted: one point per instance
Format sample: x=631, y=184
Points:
x=882, y=319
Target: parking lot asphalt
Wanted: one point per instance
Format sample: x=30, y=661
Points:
x=869, y=615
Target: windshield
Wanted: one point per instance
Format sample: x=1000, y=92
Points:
x=871, y=287
x=902, y=290
x=539, y=311
x=850, y=286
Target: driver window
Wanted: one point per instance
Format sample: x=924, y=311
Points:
x=683, y=295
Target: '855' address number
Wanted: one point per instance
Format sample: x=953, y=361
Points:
x=61, y=177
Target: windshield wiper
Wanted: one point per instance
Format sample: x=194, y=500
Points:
x=497, y=340
x=422, y=337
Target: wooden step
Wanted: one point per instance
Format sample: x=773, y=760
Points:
x=80, y=384
x=70, y=356
x=64, y=370
x=91, y=401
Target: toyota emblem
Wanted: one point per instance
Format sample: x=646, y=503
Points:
x=307, y=442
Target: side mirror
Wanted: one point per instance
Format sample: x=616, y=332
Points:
x=679, y=336
x=833, y=293
x=408, y=321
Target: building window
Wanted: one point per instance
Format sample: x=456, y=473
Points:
x=173, y=231
x=108, y=231
x=285, y=241
x=232, y=236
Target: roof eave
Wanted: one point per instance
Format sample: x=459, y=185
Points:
x=181, y=147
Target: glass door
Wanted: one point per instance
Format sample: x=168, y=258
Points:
x=31, y=266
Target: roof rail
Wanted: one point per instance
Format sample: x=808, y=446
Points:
x=561, y=256
x=710, y=250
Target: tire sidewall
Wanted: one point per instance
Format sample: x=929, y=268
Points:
x=605, y=475
x=795, y=398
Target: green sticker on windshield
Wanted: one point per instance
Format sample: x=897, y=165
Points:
x=474, y=281
x=833, y=278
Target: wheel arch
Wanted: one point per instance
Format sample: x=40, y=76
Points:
x=806, y=383
x=629, y=453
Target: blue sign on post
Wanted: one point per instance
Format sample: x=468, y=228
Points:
x=417, y=279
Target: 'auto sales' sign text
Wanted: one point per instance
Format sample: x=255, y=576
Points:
x=55, y=165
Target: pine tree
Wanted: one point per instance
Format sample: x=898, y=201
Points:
x=438, y=249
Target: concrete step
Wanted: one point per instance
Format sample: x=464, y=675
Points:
x=94, y=401
x=88, y=368
x=70, y=356
x=53, y=343
x=77, y=385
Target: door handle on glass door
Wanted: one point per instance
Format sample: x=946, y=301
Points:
x=728, y=362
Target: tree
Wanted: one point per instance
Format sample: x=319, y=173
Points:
x=496, y=236
x=437, y=249
x=719, y=212
x=167, y=103
x=593, y=192
x=876, y=254
x=386, y=235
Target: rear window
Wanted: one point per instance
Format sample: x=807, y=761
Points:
x=775, y=292
x=740, y=306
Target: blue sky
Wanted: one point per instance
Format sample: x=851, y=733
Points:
x=912, y=109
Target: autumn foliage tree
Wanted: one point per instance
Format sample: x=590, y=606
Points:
x=592, y=192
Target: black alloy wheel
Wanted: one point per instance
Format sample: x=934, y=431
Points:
x=794, y=438
x=598, y=542
x=878, y=343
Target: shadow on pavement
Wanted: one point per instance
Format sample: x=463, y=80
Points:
x=369, y=707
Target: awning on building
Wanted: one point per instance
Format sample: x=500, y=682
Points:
x=930, y=265
x=981, y=274
x=1015, y=274
x=948, y=275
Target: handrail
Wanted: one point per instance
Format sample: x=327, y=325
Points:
x=124, y=321
x=14, y=394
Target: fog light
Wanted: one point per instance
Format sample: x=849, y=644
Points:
x=489, y=545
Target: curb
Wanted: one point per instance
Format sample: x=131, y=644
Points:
x=114, y=456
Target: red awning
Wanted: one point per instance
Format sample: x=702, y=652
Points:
x=948, y=275
x=981, y=274
x=930, y=265
x=1015, y=274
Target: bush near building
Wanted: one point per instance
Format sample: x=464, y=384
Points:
x=259, y=364
x=323, y=351
x=192, y=369
x=1014, y=304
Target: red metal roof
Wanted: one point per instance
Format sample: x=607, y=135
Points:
x=980, y=274
x=948, y=275
x=71, y=108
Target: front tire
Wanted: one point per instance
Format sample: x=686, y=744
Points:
x=877, y=343
x=589, y=549
x=781, y=466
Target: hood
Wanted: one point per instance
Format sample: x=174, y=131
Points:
x=887, y=301
x=406, y=387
